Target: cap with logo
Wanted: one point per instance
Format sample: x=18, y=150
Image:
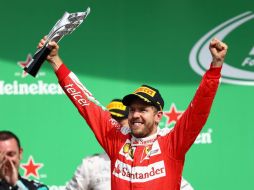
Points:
x=147, y=94
x=117, y=109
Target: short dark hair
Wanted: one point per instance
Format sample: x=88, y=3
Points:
x=6, y=135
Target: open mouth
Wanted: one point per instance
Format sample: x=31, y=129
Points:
x=136, y=124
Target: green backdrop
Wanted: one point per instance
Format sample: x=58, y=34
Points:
x=120, y=46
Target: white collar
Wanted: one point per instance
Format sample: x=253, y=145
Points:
x=144, y=141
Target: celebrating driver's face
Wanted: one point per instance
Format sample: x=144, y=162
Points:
x=143, y=118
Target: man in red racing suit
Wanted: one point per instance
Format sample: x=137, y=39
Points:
x=155, y=160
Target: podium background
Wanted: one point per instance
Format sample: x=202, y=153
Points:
x=120, y=46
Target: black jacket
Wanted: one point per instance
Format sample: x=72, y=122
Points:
x=28, y=184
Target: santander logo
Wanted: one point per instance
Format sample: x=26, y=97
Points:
x=200, y=58
x=140, y=173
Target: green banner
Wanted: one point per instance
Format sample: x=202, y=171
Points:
x=120, y=46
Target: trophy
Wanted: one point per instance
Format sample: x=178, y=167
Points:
x=66, y=25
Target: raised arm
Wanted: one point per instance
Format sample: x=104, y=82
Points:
x=96, y=116
x=194, y=118
x=218, y=51
x=53, y=58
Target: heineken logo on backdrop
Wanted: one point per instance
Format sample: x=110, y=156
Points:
x=23, y=84
x=239, y=65
x=31, y=168
x=173, y=115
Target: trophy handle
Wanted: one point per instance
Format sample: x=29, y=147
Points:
x=37, y=61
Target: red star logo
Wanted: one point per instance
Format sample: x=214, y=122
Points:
x=31, y=168
x=23, y=64
x=173, y=114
